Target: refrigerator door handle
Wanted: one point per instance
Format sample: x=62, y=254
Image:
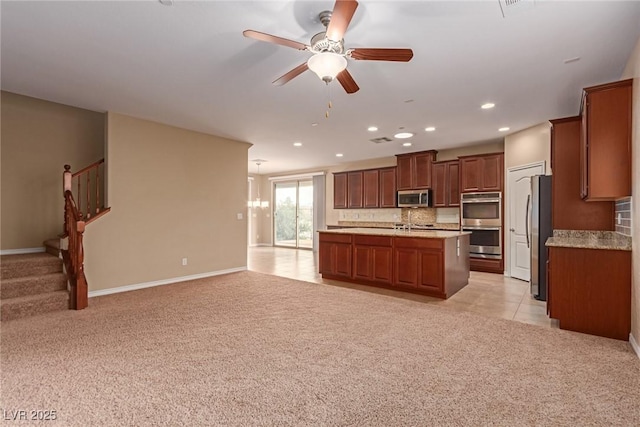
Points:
x=526, y=220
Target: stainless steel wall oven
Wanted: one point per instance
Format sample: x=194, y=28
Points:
x=481, y=214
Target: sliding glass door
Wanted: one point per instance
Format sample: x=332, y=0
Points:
x=293, y=214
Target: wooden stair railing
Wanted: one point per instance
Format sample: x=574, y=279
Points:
x=87, y=182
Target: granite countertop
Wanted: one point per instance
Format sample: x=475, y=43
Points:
x=431, y=234
x=587, y=239
x=364, y=224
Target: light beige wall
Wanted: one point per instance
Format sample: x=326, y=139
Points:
x=528, y=146
x=632, y=70
x=174, y=194
x=38, y=139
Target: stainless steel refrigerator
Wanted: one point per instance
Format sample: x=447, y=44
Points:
x=539, y=212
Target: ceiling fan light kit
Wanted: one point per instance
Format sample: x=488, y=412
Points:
x=329, y=60
x=327, y=65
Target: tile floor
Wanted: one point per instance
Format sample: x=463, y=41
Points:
x=488, y=294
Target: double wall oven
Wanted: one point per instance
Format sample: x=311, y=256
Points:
x=481, y=214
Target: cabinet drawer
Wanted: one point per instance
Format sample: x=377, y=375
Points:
x=333, y=237
x=372, y=240
x=419, y=243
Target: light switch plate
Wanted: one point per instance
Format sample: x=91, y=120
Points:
x=239, y=215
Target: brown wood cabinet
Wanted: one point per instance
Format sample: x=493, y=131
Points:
x=340, y=190
x=372, y=258
x=445, y=181
x=387, y=187
x=414, y=170
x=335, y=254
x=482, y=172
x=569, y=211
x=370, y=188
x=590, y=291
x=605, y=149
x=435, y=267
x=355, y=190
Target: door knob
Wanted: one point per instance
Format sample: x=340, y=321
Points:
x=512, y=230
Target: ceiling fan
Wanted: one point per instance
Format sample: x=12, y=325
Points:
x=329, y=60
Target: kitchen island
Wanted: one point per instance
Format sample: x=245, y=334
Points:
x=434, y=263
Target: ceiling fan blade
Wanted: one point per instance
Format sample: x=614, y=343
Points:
x=347, y=82
x=264, y=37
x=340, y=18
x=291, y=74
x=374, y=54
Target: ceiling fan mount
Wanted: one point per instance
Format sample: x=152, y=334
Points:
x=329, y=60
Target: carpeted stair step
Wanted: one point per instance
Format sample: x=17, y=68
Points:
x=31, y=305
x=14, y=266
x=31, y=285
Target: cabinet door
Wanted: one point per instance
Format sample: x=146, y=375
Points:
x=422, y=173
x=608, y=145
x=439, y=179
x=326, y=256
x=339, y=190
x=431, y=271
x=382, y=265
x=405, y=267
x=584, y=162
x=492, y=172
x=453, y=179
x=354, y=190
x=387, y=188
x=342, y=259
x=362, y=262
x=470, y=174
x=371, y=190
x=404, y=172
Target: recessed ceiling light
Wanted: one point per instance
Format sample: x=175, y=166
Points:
x=408, y=100
x=297, y=144
x=339, y=155
x=406, y=144
x=372, y=128
x=314, y=124
x=487, y=105
x=166, y=2
x=504, y=129
x=430, y=129
x=570, y=60
x=403, y=135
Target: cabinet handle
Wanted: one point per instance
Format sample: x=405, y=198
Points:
x=526, y=220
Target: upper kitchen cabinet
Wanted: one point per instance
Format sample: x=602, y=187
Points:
x=370, y=188
x=570, y=211
x=445, y=180
x=387, y=187
x=340, y=190
x=482, y=172
x=605, y=149
x=414, y=170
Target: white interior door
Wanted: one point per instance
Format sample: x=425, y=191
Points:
x=519, y=182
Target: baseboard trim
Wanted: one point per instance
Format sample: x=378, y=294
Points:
x=137, y=286
x=22, y=251
x=634, y=345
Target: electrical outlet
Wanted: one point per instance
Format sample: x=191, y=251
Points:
x=184, y=261
x=619, y=218
x=239, y=215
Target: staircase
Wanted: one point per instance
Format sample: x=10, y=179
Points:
x=32, y=284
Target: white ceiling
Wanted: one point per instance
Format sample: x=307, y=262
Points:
x=188, y=65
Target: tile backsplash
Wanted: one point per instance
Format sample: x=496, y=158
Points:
x=623, y=216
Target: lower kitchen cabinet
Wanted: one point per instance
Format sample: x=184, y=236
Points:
x=372, y=258
x=437, y=267
x=589, y=290
x=335, y=254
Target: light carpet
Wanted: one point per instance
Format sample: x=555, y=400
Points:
x=254, y=349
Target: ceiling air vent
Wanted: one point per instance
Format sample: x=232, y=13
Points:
x=510, y=7
x=381, y=140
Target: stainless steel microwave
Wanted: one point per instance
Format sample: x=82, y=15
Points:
x=414, y=198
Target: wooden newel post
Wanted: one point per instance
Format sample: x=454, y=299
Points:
x=81, y=290
x=66, y=179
